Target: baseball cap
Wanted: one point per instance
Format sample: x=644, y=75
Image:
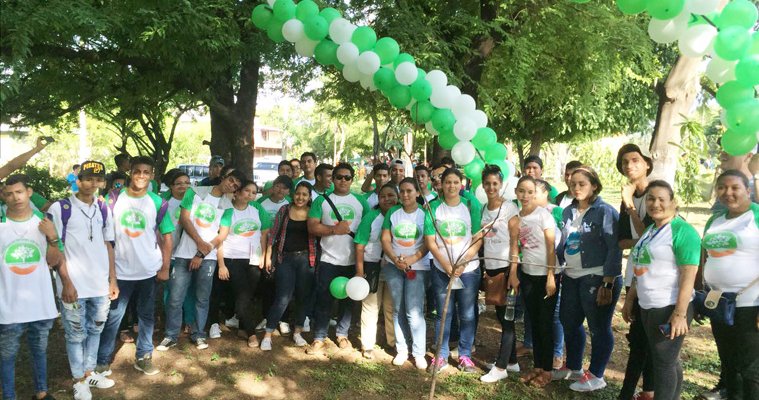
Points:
x=398, y=161
x=633, y=148
x=216, y=160
x=92, y=168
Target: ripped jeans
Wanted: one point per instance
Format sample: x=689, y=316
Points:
x=83, y=322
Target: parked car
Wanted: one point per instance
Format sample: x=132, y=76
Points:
x=265, y=171
x=196, y=172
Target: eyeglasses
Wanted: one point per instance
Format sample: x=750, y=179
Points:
x=342, y=177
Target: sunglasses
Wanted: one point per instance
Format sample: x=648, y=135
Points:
x=342, y=177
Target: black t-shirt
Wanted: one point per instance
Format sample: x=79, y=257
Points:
x=625, y=225
x=296, y=237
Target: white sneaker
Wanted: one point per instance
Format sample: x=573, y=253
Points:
x=99, y=381
x=82, y=391
x=420, y=362
x=232, y=322
x=513, y=368
x=400, y=359
x=299, y=341
x=566, y=373
x=494, y=375
x=332, y=322
x=266, y=344
x=261, y=326
x=284, y=328
x=214, y=332
x=588, y=383
x=307, y=325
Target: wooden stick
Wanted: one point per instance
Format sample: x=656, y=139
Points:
x=439, y=341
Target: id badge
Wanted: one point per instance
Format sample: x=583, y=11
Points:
x=712, y=299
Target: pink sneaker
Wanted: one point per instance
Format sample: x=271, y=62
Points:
x=467, y=365
x=440, y=363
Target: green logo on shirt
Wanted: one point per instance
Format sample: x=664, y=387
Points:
x=720, y=244
x=245, y=227
x=405, y=233
x=205, y=215
x=177, y=213
x=133, y=222
x=453, y=231
x=641, y=256
x=22, y=257
x=346, y=211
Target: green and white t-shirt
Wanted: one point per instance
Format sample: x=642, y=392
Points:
x=138, y=255
x=372, y=199
x=272, y=207
x=407, y=230
x=173, y=212
x=207, y=213
x=339, y=249
x=532, y=241
x=26, y=289
x=244, y=239
x=456, y=224
x=657, y=258
x=732, y=245
x=370, y=233
x=497, y=239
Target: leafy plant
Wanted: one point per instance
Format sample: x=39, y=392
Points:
x=48, y=186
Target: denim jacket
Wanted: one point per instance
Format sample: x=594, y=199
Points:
x=599, y=238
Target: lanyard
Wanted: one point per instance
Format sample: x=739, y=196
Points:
x=646, y=239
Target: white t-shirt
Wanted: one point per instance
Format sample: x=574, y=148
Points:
x=640, y=206
x=572, y=251
x=369, y=234
x=272, y=207
x=86, y=260
x=207, y=213
x=532, y=241
x=339, y=249
x=456, y=224
x=26, y=289
x=244, y=239
x=372, y=199
x=174, y=211
x=732, y=245
x=497, y=239
x=138, y=255
x=657, y=258
x=566, y=201
x=406, y=230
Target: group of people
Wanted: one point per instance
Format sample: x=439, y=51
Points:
x=263, y=258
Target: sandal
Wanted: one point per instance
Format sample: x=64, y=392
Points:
x=253, y=341
x=529, y=376
x=125, y=337
x=541, y=380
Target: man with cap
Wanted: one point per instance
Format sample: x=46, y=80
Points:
x=633, y=220
x=214, y=172
x=397, y=171
x=86, y=229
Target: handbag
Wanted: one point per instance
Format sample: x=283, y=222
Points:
x=495, y=288
x=717, y=305
x=372, y=275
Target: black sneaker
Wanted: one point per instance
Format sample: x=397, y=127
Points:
x=145, y=364
x=166, y=344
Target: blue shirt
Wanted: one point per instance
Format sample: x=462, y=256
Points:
x=599, y=238
x=71, y=179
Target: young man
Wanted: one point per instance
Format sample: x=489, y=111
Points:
x=308, y=165
x=29, y=244
x=633, y=220
x=71, y=178
x=205, y=217
x=123, y=162
x=295, y=166
x=86, y=227
x=324, y=182
x=397, y=171
x=564, y=199
x=214, y=172
x=335, y=218
x=422, y=175
x=381, y=175
x=278, y=196
x=141, y=258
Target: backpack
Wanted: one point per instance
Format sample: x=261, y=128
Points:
x=66, y=215
x=161, y=211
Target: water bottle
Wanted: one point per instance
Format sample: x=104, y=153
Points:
x=511, y=302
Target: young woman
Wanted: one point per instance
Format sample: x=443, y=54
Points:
x=537, y=231
x=241, y=255
x=448, y=231
x=405, y=271
x=500, y=234
x=291, y=255
x=368, y=256
x=731, y=242
x=592, y=281
x=665, y=262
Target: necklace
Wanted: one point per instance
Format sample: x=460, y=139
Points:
x=89, y=217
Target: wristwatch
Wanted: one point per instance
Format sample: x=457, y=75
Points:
x=608, y=285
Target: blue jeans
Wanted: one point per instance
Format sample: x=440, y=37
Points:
x=293, y=276
x=558, y=330
x=144, y=290
x=408, y=295
x=83, y=326
x=10, y=340
x=325, y=273
x=188, y=307
x=578, y=302
x=466, y=307
x=180, y=281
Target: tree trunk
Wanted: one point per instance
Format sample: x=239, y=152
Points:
x=535, y=142
x=676, y=98
x=376, y=139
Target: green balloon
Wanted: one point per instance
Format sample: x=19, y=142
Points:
x=732, y=43
x=387, y=49
x=274, y=30
x=400, y=96
x=737, y=144
x=421, y=89
x=337, y=287
x=734, y=92
x=443, y=121
x=305, y=9
x=261, y=16
x=421, y=111
x=743, y=118
x=403, y=57
x=665, y=9
x=754, y=49
x=496, y=152
x=384, y=79
x=747, y=70
x=503, y=166
x=330, y=14
x=315, y=27
x=284, y=9
x=739, y=13
x=484, y=138
x=476, y=181
x=631, y=7
x=474, y=168
x=325, y=52
x=364, y=38
x=447, y=140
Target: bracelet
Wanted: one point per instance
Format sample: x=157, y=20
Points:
x=54, y=241
x=199, y=254
x=608, y=285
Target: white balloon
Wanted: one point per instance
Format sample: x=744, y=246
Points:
x=509, y=188
x=411, y=104
x=367, y=82
x=347, y=53
x=512, y=168
x=696, y=40
x=721, y=71
x=463, y=152
x=351, y=72
x=480, y=194
x=406, y=73
x=479, y=117
x=305, y=47
x=464, y=129
x=439, y=97
x=437, y=78
x=292, y=30
x=341, y=30
x=452, y=92
x=668, y=30
x=271, y=2
x=701, y=6
x=463, y=106
x=368, y=62
x=357, y=288
x=431, y=129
